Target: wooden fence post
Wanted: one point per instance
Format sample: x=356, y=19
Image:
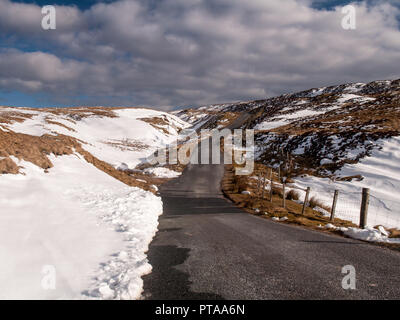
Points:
x=279, y=173
x=271, y=191
x=287, y=163
x=264, y=185
x=259, y=183
x=335, y=198
x=364, y=208
x=306, y=200
x=283, y=195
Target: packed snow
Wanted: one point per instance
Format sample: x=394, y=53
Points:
x=369, y=234
x=73, y=233
x=163, y=172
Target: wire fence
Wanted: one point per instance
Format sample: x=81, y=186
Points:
x=348, y=208
x=384, y=212
x=364, y=209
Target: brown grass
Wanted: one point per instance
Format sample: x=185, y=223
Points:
x=13, y=116
x=372, y=121
x=8, y=166
x=266, y=209
x=59, y=124
x=75, y=113
x=110, y=170
x=231, y=186
x=292, y=195
x=384, y=117
x=314, y=202
x=78, y=113
x=159, y=123
x=394, y=233
x=227, y=118
x=36, y=150
x=127, y=144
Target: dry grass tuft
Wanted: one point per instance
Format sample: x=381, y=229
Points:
x=394, y=233
x=33, y=148
x=110, y=170
x=79, y=113
x=36, y=150
x=8, y=166
x=126, y=144
x=268, y=209
x=277, y=191
x=49, y=121
x=160, y=123
x=292, y=195
x=314, y=202
x=13, y=116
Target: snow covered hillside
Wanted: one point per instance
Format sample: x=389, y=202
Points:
x=113, y=135
x=341, y=137
x=215, y=116
x=74, y=225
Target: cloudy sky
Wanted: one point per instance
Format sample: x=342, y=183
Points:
x=170, y=53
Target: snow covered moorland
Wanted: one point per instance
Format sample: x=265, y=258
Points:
x=339, y=138
x=343, y=137
x=72, y=225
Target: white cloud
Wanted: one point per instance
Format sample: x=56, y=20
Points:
x=181, y=52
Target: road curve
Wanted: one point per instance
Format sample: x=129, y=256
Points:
x=206, y=248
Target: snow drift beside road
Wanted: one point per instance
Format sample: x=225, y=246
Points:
x=67, y=218
x=91, y=228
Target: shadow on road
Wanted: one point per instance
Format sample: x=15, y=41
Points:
x=335, y=242
x=189, y=205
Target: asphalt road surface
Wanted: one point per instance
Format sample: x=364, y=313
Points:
x=206, y=248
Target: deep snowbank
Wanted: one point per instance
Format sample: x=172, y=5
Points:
x=68, y=218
